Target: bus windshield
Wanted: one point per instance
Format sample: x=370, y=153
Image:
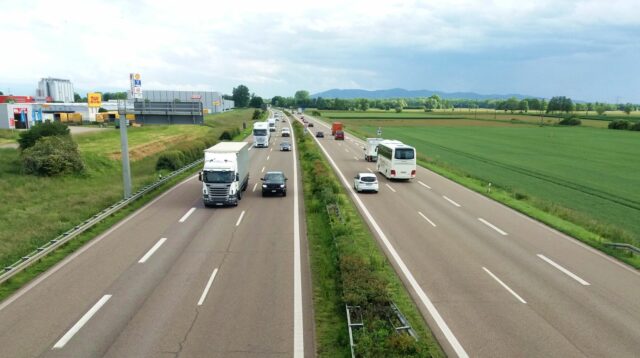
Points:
x=404, y=153
x=259, y=132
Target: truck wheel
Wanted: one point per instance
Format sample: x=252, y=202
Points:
x=239, y=195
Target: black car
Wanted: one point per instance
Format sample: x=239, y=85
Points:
x=310, y=124
x=319, y=134
x=285, y=147
x=274, y=183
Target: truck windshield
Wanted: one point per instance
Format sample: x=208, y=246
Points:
x=226, y=176
x=404, y=153
x=259, y=132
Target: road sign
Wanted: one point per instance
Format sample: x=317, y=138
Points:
x=94, y=99
x=379, y=132
x=136, y=85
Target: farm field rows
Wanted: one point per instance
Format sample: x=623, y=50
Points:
x=588, y=175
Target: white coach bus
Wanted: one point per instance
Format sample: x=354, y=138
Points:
x=396, y=160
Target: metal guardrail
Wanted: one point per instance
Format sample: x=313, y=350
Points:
x=47, y=248
x=623, y=246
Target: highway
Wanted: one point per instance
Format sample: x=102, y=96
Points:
x=178, y=279
x=489, y=281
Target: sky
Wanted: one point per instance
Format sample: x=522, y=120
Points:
x=586, y=49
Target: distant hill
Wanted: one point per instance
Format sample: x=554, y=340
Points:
x=403, y=93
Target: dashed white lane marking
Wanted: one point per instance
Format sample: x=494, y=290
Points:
x=451, y=201
x=504, y=285
x=370, y=171
x=426, y=218
x=262, y=171
x=240, y=218
x=390, y=188
x=268, y=156
x=255, y=186
x=152, y=250
x=356, y=158
x=564, y=270
x=492, y=226
x=207, y=287
x=76, y=327
x=424, y=185
x=186, y=216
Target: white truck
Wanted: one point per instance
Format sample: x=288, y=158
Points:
x=261, y=134
x=272, y=124
x=225, y=174
x=371, y=149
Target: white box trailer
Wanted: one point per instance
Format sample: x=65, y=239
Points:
x=225, y=174
x=371, y=149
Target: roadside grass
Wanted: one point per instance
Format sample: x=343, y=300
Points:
x=581, y=181
x=329, y=258
x=37, y=209
x=8, y=136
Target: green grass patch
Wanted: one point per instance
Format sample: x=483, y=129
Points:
x=348, y=267
x=8, y=136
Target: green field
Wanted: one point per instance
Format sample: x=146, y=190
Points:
x=59, y=203
x=586, y=175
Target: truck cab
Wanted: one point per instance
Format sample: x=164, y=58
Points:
x=225, y=174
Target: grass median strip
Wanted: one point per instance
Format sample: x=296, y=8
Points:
x=348, y=268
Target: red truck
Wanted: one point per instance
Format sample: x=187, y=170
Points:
x=335, y=126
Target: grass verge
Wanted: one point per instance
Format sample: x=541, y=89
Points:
x=348, y=267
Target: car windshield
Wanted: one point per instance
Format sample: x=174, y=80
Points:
x=285, y=144
x=226, y=176
x=368, y=179
x=259, y=132
x=404, y=153
x=274, y=178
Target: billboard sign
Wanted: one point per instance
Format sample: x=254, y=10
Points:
x=136, y=85
x=94, y=100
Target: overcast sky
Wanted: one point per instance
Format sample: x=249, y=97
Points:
x=588, y=50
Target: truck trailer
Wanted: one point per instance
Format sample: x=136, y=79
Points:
x=336, y=126
x=225, y=174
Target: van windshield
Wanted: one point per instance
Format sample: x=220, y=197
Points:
x=404, y=153
x=226, y=176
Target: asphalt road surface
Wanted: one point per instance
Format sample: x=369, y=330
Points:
x=488, y=280
x=178, y=279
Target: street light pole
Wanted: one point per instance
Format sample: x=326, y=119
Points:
x=124, y=150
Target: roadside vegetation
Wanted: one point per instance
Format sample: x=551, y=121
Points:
x=8, y=136
x=348, y=268
x=581, y=181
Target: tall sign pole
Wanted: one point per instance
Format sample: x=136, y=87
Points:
x=124, y=148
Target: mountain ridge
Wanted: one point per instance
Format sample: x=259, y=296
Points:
x=404, y=93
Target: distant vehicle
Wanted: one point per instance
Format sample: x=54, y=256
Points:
x=274, y=183
x=272, y=124
x=285, y=147
x=336, y=126
x=261, y=134
x=310, y=124
x=286, y=132
x=339, y=135
x=319, y=134
x=396, y=160
x=371, y=149
x=225, y=174
x=365, y=182
x=303, y=120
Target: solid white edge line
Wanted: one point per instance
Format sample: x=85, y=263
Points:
x=390, y=188
x=424, y=185
x=431, y=308
x=298, y=323
x=240, y=218
x=564, y=270
x=426, y=218
x=86, y=247
x=492, y=226
x=83, y=320
x=254, y=187
x=207, y=287
x=152, y=250
x=186, y=216
x=451, y=201
x=504, y=285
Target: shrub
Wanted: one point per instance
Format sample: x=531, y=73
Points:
x=619, y=124
x=52, y=155
x=256, y=114
x=635, y=126
x=229, y=134
x=171, y=160
x=398, y=109
x=570, y=121
x=316, y=113
x=30, y=137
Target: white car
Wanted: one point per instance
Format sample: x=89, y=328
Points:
x=365, y=182
x=285, y=132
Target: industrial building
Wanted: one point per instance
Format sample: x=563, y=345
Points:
x=57, y=89
x=212, y=102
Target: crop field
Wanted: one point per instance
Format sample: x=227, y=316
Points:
x=588, y=175
x=59, y=203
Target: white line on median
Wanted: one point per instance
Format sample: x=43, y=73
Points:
x=240, y=218
x=262, y=171
x=451, y=201
x=390, y=188
x=426, y=218
x=255, y=186
x=451, y=338
x=424, y=185
x=207, y=287
x=504, y=285
x=298, y=323
x=186, y=216
x=152, y=250
x=76, y=327
x=492, y=226
x=567, y=272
